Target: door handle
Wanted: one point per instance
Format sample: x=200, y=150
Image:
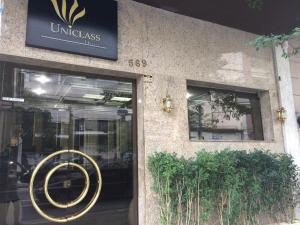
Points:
x=79, y=199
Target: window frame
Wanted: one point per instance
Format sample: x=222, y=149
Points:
x=239, y=92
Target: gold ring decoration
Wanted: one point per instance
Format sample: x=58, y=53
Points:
x=83, y=194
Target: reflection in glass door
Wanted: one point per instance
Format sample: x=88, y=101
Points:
x=43, y=113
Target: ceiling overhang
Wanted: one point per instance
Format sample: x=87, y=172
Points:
x=275, y=16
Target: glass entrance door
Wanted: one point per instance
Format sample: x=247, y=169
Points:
x=66, y=149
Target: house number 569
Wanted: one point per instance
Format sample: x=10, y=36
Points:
x=137, y=63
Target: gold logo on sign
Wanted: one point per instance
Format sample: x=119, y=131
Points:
x=72, y=17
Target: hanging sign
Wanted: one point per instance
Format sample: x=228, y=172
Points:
x=85, y=27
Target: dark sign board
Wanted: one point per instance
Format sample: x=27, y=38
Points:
x=85, y=27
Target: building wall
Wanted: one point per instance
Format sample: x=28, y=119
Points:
x=295, y=73
x=177, y=49
x=295, y=69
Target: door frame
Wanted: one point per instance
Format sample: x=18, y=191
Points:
x=138, y=117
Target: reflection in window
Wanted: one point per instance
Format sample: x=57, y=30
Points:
x=223, y=115
x=43, y=112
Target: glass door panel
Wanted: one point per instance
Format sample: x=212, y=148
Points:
x=82, y=124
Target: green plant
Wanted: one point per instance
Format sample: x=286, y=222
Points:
x=226, y=188
x=255, y=4
x=281, y=40
x=275, y=40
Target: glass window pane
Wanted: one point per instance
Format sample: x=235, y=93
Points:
x=43, y=112
x=223, y=115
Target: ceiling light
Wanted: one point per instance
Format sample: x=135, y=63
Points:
x=9, y=99
x=112, y=103
x=188, y=95
x=121, y=99
x=60, y=106
x=91, y=96
x=43, y=79
x=39, y=91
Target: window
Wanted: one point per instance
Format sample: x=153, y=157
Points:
x=223, y=115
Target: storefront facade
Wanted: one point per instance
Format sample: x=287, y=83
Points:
x=159, y=54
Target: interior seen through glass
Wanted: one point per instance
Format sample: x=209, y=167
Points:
x=43, y=112
x=223, y=115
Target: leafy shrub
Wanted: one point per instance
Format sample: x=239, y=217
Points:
x=226, y=188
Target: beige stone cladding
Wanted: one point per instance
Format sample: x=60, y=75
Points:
x=295, y=72
x=177, y=48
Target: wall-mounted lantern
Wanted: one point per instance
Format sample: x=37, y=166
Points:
x=167, y=104
x=281, y=114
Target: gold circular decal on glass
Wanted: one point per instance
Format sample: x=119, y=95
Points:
x=81, y=196
x=79, y=199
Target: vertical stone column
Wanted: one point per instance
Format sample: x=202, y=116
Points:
x=286, y=98
x=1, y=13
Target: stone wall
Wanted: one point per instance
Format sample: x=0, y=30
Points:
x=177, y=49
x=295, y=72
